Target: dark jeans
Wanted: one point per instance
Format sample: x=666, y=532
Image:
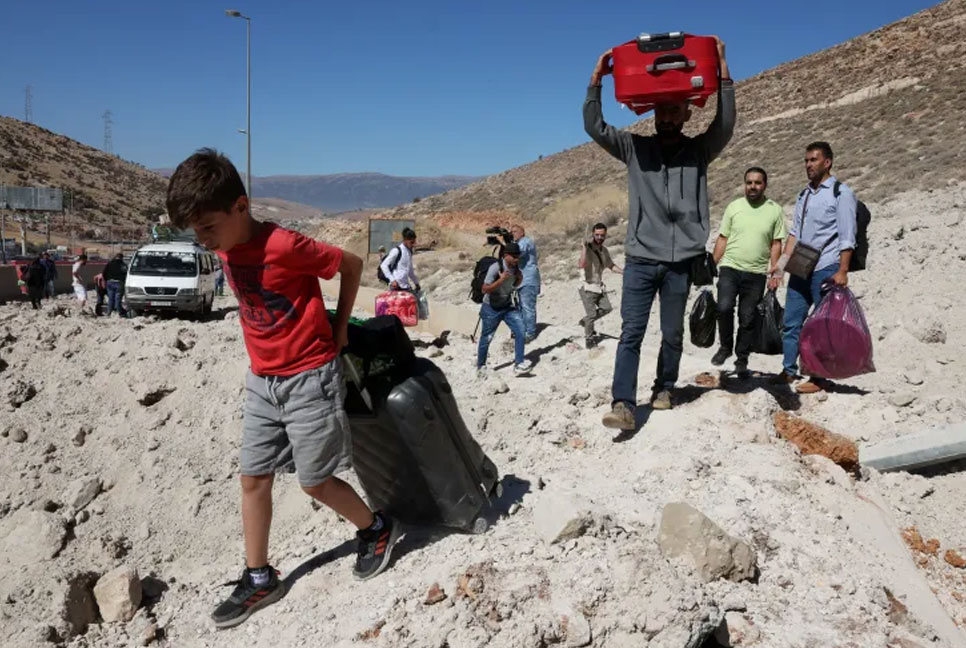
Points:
x=643, y=280
x=36, y=293
x=491, y=318
x=113, y=296
x=802, y=295
x=746, y=288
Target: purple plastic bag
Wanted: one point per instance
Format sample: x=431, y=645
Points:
x=835, y=341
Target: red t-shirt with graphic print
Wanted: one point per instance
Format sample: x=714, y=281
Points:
x=275, y=277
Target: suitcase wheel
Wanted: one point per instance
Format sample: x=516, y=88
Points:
x=480, y=525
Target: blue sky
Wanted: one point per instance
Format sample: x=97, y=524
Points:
x=406, y=88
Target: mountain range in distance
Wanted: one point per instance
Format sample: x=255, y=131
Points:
x=342, y=192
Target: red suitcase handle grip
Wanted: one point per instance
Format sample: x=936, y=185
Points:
x=671, y=62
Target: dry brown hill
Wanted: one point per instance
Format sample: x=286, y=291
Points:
x=891, y=102
x=104, y=187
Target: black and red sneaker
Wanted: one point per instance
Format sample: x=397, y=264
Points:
x=247, y=598
x=375, y=548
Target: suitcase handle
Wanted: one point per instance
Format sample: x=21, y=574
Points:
x=648, y=43
x=671, y=62
x=656, y=37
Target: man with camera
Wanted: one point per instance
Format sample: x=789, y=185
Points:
x=500, y=304
x=667, y=229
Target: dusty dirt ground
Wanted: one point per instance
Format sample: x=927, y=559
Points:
x=148, y=412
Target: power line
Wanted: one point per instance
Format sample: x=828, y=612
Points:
x=108, y=118
x=28, y=104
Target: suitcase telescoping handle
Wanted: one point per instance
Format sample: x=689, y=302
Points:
x=660, y=42
x=671, y=62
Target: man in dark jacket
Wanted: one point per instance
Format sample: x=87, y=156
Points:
x=36, y=282
x=115, y=272
x=50, y=275
x=668, y=226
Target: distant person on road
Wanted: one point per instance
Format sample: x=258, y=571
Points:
x=667, y=229
x=397, y=266
x=530, y=288
x=100, y=293
x=50, y=273
x=825, y=219
x=594, y=259
x=749, y=243
x=294, y=389
x=77, y=282
x=115, y=274
x=220, y=281
x=500, y=305
x=36, y=282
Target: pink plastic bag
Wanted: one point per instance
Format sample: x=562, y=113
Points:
x=835, y=341
x=400, y=303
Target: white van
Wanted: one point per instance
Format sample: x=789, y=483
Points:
x=175, y=276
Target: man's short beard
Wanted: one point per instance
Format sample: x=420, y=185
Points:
x=668, y=128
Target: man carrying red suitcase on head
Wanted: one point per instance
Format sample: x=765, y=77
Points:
x=668, y=227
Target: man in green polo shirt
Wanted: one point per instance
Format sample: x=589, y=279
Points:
x=749, y=243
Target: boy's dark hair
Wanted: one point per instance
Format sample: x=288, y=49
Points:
x=205, y=182
x=598, y=226
x=408, y=234
x=756, y=169
x=824, y=147
x=82, y=257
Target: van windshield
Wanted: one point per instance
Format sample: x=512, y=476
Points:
x=164, y=264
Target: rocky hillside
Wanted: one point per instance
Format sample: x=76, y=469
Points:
x=890, y=102
x=104, y=187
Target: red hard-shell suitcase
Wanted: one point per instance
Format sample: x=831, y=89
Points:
x=655, y=68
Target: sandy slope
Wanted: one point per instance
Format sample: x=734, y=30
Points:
x=170, y=500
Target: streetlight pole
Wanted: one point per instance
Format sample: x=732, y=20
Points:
x=231, y=13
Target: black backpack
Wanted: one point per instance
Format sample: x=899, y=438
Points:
x=863, y=217
x=392, y=266
x=479, y=276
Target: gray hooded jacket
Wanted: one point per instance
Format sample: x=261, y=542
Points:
x=668, y=216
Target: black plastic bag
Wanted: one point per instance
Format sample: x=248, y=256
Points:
x=703, y=270
x=704, y=320
x=769, y=318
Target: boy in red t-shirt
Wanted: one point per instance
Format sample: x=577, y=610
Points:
x=294, y=390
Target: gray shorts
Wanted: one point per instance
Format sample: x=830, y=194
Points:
x=303, y=412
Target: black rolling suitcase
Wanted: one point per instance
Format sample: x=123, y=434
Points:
x=414, y=455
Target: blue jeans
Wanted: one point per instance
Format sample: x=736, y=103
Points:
x=491, y=318
x=643, y=280
x=528, y=307
x=113, y=296
x=802, y=295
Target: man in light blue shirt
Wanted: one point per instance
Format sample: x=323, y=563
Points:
x=530, y=287
x=825, y=220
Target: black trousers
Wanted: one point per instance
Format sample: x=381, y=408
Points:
x=747, y=289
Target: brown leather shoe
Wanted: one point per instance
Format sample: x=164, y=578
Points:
x=784, y=378
x=810, y=386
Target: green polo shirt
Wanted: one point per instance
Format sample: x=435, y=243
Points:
x=750, y=231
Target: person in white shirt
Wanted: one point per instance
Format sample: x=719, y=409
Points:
x=80, y=291
x=397, y=266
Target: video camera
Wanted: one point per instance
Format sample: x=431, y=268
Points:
x=498, y=236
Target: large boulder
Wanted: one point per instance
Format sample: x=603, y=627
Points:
x=686, y=531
